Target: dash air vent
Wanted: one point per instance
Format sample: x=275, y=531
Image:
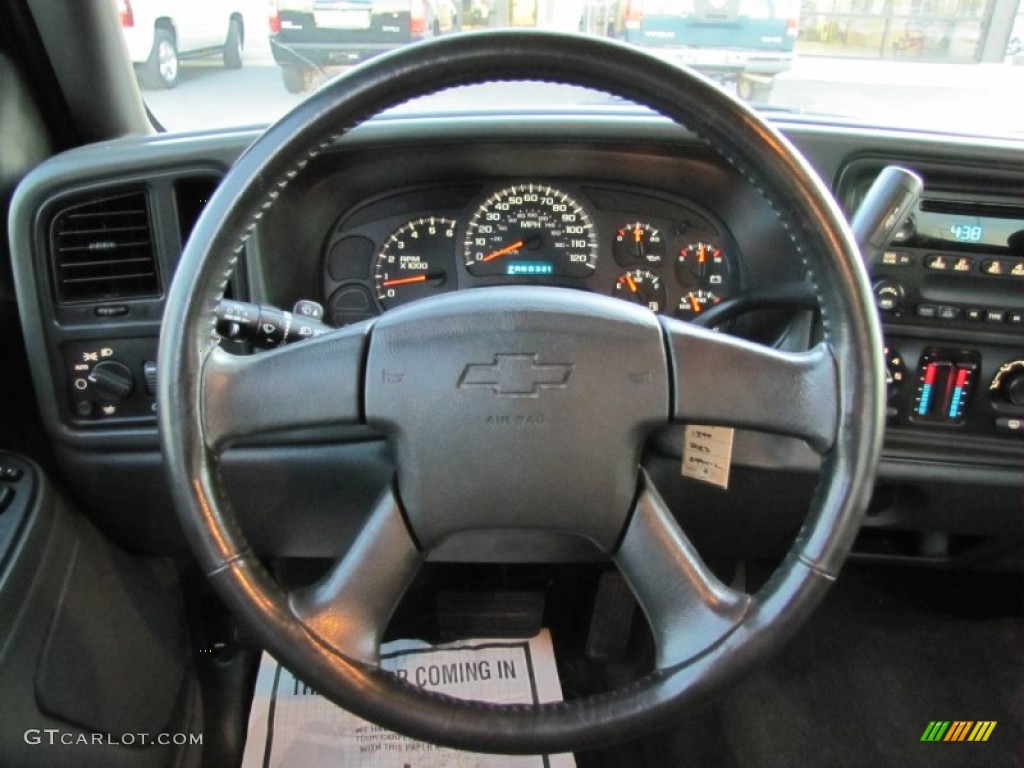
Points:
x=103, y=249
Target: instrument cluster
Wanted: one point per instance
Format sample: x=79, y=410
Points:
x=668, y=255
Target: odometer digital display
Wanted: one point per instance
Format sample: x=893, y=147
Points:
x=530, y=230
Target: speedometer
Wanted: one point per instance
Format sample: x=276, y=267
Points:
x=530, y=230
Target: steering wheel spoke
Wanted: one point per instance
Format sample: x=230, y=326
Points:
x=312, y=383
x=723, y=380
x=349, y=608
x=688, y=607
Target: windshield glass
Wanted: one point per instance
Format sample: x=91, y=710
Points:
x=949, y=65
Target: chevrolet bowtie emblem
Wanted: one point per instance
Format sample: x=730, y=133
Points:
x=515, y=375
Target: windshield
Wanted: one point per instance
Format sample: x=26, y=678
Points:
x=948, y=65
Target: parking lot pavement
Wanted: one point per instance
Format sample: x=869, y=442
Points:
x=950, y=97
x=910, y=94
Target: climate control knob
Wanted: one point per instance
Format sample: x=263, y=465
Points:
x=111, y=379
x=1008, y=383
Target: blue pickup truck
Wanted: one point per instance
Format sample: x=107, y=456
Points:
x=747, y=42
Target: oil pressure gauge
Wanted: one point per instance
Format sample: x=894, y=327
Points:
x=638, y=243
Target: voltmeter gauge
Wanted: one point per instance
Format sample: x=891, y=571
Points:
x=704, y=262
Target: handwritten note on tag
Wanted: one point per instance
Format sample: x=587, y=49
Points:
x=707, y=454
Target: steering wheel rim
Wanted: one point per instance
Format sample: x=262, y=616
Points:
x=199, y=391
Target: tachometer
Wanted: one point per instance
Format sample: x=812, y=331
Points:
x=416, y=261
x=530, y=230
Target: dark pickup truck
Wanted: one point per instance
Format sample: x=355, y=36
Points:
x=308, y=36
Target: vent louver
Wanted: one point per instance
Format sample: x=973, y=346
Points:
x=103, y=249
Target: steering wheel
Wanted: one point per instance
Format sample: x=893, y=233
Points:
x=584, y=378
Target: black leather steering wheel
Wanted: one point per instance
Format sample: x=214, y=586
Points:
x=596, y=374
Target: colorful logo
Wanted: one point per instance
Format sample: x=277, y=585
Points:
x=958, y=730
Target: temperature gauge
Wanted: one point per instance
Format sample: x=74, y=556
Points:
x=944, y=386
x=695, y=302
x=643, y=287
x=639, y=243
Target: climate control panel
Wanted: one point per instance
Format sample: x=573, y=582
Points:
x=977, y=390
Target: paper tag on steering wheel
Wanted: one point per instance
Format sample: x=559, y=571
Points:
x=707, y=454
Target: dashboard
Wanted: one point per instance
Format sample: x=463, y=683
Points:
x=663, y=252
x=624, y=205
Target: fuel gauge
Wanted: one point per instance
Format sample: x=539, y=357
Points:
x=641, y=286
x=639, y=243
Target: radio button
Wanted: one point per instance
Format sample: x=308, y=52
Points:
x=1011, y=267
x=994, y=315
x=949, y=313
x=938, y=262
x=974, y=314
x=926, y=310
x=1015, y=317
x=897, y=259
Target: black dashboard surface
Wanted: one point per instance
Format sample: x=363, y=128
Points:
x=653, y=215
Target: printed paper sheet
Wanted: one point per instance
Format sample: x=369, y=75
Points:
x=292, y=726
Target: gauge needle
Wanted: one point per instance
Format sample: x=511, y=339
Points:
x=502, y=251
x=414, y=279
x=694, y=304
x=630, y=282
x=404, y=281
